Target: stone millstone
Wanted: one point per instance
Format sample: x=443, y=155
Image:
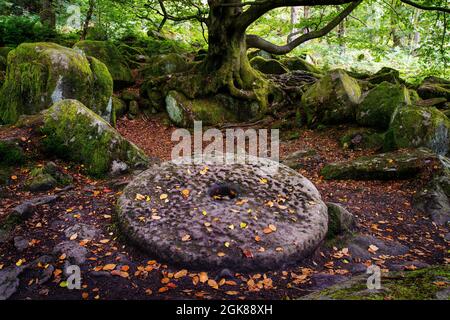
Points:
x=211, y=216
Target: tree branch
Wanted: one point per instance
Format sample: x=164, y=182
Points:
x=254, y=41
x=424, y=7
x=256, y=10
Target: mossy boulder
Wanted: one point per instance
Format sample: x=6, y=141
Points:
x=214, y=110
x=164, y=64
x=380, y=103
x=422, y=284
x=299, y=64
x=419, y=127
x=74, y=132
x=119, y=106
x=340, y=220
x=260, y=53
x=268, y=66
x=109, y=54
x=402, y=164
x=434, y=87
x=362, y=138
x=332, y=99
x=40, y=74
x=47, y=177
x=11, y=153
x=385, y=74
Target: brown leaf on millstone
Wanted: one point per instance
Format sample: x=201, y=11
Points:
x=213, y=284
x=186, y=238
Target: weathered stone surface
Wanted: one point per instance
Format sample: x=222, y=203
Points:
x=419, y=127
x=74, y=132
x=20, y=243
x=21, y=213
x=385, y=74
x=214, y=224
x=321, y=281
x=392, y=165
x=74, y=252
x=211, y=111
x=380, y=103
x=434, y=201
x=410, y=285
x=83, y=231
x=9, y=281
x=362, y=138
x=164, y=64
x=41, y=74
x=110, y=55
x=268, y=66
x=332, y=99
x=293, y=160
x=11, y=153
x=434, y=87
x=340, y=220
x=359, y=245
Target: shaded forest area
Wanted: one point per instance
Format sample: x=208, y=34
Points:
x=92, y=91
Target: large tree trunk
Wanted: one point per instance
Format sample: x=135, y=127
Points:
x=48, y=14
x=226, y=69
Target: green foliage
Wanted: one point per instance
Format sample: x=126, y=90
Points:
x=15, y=30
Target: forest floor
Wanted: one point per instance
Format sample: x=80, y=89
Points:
x=382, y=209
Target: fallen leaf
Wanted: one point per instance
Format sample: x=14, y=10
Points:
x=203, y=277
x=186, y=238
x=109, y=267
x=180, y=274
x=213, y=284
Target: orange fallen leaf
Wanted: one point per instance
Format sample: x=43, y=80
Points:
x=109, y=267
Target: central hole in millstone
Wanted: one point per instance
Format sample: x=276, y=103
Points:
x=223, y=191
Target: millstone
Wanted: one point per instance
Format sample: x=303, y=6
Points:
x=211, y=216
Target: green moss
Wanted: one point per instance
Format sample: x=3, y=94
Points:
x=74, y=132
x=111, y=56
x=296, y=63
x=362, y=138
x=119, y=106
x=395, y=165
x=268, y=66
x=11, y=154
x=5, y=174
x=183, y=111
x=332, y=99
x=410, y=285
x=433, y=87
x=386, y=74
x=165, y=64
x=419, y=127
x=40, y=74
x=380, y=103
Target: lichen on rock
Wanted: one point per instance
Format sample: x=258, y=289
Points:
x=74, y=132
x=380, y=103
x=40, y=74
x=332, y=99
x=109, y=54
x=268, y=66
x=413, y=126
